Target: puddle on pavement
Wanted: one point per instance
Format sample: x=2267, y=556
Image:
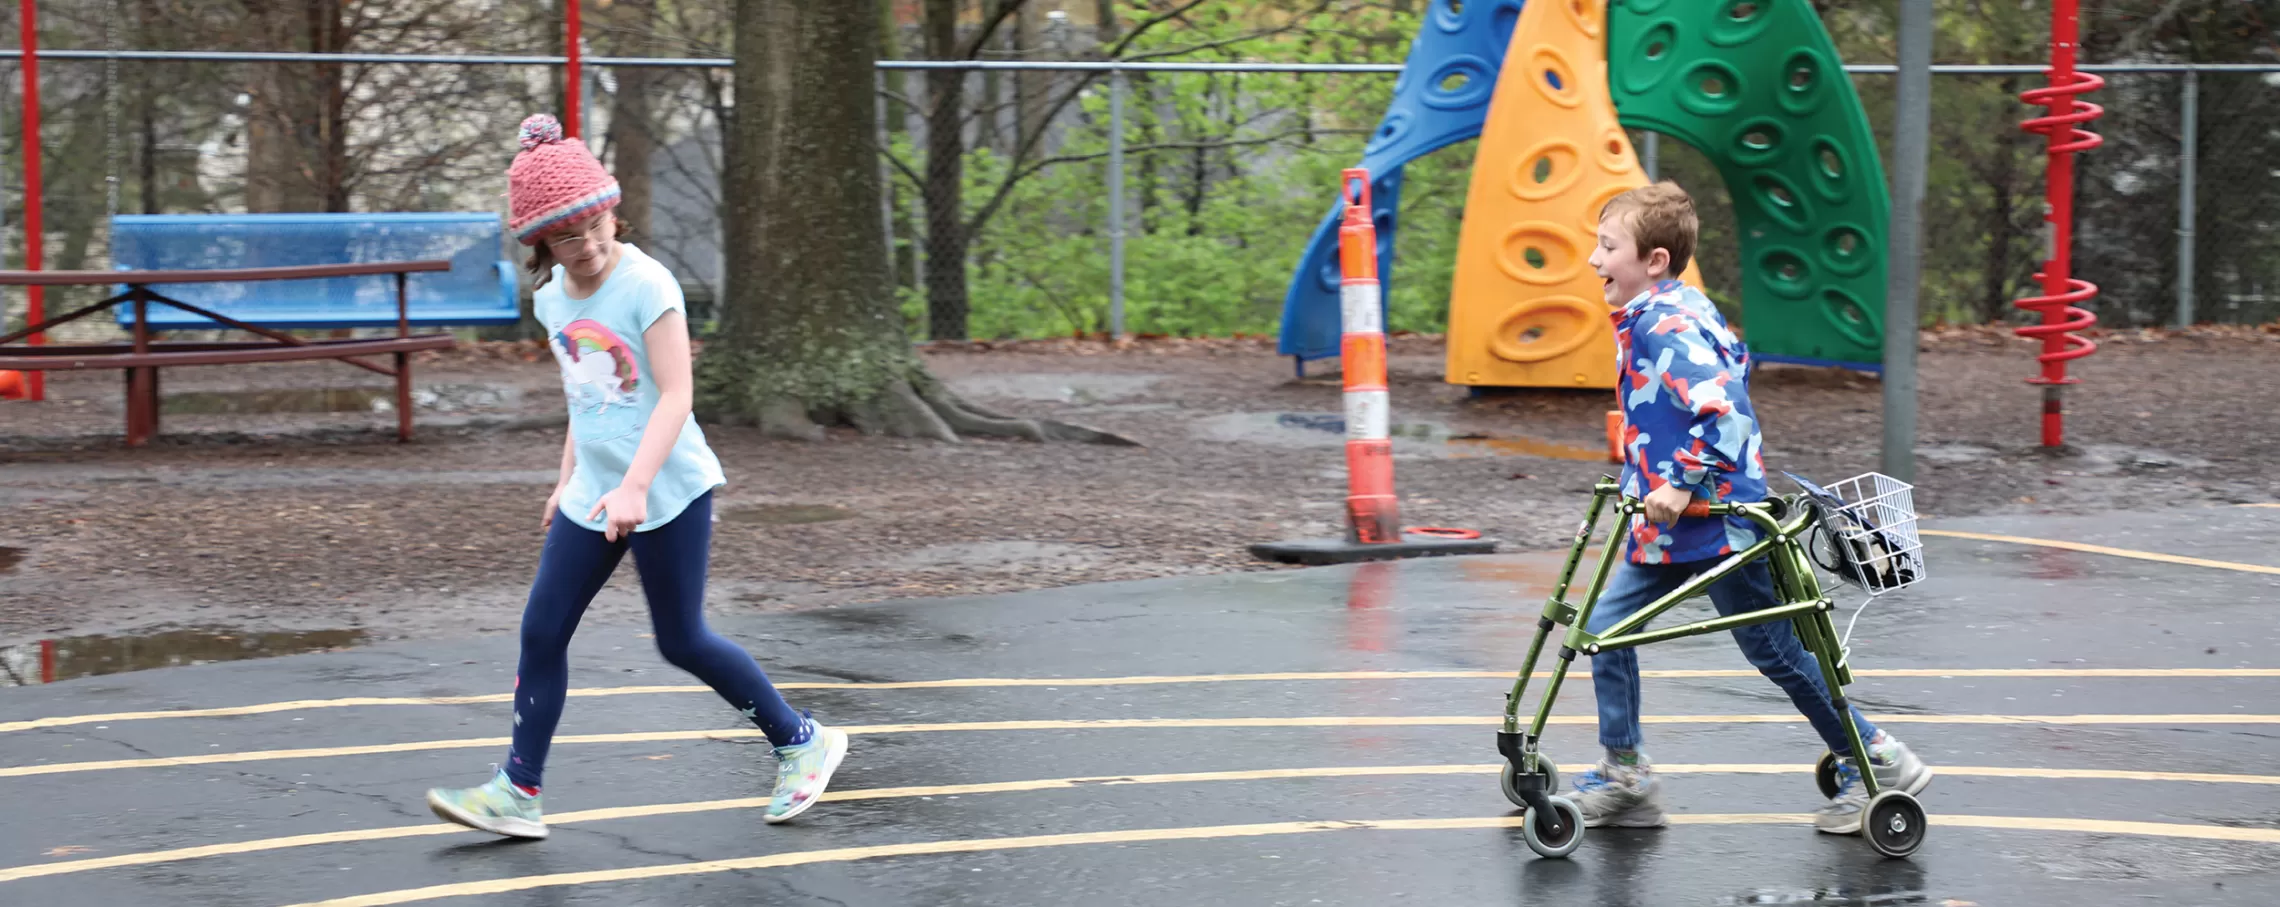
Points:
x=786, y=514
x=282, y=400
x=1494, y=446
x=10, y=557
x=1426, y=438
x=1832, y=897
x=48, y=661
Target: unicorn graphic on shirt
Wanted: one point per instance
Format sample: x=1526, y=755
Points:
x=598, y=371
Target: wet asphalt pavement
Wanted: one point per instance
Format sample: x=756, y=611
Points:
x=2146, y=775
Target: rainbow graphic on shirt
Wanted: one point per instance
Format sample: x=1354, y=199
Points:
x=598, y=370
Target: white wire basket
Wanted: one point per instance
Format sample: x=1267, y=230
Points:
x=1868, y=532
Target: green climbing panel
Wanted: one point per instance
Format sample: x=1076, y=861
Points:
x=1757, y=87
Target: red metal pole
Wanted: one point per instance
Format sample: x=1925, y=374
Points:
x=2062, y=294
x=47, y=661
x=572, y=76
x=35, y=383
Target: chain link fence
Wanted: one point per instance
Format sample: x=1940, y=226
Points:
x=1167, y=198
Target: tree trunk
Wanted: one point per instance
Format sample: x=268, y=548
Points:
x=631, y=122
x=296, y=142
x=147, y=159
x=898, y=119
x=1032, y=90
x=946, y=240
x=1104, y=23
x=809, y=332
x=2002, y=222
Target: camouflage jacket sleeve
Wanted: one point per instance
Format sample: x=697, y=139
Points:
x=1696, y=435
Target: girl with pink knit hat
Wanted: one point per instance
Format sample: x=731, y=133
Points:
x=636, y=476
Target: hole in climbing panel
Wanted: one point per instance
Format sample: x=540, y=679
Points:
x=1558, y=85
x=1780, y=200
x=1851, y=318
x=1460, y=81
x=1545, y=170
x=1711, y=88
x=1845, y=250
x=1785, y=272
x=1457, y=8
x=1532, y=334
x=1801, y=83
x=1740, y=22
x=1757, y=142
x=1540, y=253
x=1614, y=148
x=1650, y=59
x=1830, y=171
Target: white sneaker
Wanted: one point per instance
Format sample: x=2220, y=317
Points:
x=1621, y=796
x=803, y=771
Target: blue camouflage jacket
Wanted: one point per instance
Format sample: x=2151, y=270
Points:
x=1687, y=421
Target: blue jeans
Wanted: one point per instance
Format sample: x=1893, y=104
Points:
x=1772, y=647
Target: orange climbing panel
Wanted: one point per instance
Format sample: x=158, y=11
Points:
x=1525, y=309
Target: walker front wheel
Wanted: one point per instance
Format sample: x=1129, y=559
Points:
x=1510, y=779
x=1893, y=823
x=1825, y=775
x=1555, y=832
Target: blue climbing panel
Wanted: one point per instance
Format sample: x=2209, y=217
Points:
x=1440, y=99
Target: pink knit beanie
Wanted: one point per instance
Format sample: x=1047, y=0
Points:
x=554, y=181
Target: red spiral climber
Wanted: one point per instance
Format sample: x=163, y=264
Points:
x=2062, y=294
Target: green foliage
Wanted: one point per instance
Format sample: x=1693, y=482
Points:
x=1227, y=175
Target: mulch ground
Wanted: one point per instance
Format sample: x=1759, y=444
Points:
x=301, y=519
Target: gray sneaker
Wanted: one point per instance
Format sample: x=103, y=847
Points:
x=1896, y=768
x=1620, y=796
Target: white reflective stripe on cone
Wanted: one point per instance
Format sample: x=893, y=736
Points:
x=1358, y=303
x=1366, y=414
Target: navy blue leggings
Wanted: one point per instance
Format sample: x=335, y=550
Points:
x=671, y=560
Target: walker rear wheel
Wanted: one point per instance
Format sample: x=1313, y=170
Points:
x=1825, y=774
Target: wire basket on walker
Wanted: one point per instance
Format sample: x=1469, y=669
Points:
x=1862, y=530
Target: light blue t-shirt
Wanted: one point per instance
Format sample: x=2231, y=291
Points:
x=605, y=373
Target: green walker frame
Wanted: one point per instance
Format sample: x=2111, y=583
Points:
x=1893, y=821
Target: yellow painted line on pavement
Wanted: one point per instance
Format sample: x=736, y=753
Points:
x=297, y=705
x=1221, y=832
x=2101, y=549
x=1085, y=724
x=959, y=790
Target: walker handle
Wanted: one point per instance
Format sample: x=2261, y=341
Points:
x=1701, y=509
